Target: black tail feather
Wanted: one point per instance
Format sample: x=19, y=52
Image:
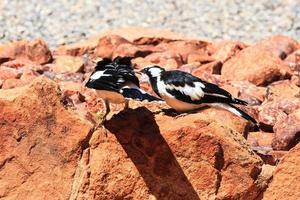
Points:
x=239, y=101
x=245, y=115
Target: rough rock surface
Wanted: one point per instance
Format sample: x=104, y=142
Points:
x=35, y=51
x=41, y=142
x=286, y=178
x=146, y=156
x=257, y=64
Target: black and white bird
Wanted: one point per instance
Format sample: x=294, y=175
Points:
x=115, y=82
x=185, y=92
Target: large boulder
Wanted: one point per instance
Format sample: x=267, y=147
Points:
x=258, y=64
x=41, y=142
x=147, y=156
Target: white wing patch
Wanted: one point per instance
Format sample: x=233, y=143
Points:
x=98, y=74
x=194, y=92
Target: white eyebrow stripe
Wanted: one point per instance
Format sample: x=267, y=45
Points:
x=98, y=74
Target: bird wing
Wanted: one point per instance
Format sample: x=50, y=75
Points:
x=191, y=89
x=107, y=79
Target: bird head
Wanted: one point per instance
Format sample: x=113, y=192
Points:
x=152, y=71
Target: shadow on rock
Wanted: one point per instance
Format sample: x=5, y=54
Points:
x=140, y=137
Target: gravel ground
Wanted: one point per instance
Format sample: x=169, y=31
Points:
x=67, y=21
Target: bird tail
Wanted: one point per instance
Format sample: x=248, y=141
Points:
x=235, y=110
x=239, y=101
x=138, y=94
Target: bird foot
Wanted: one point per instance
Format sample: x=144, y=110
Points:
x=181, y=115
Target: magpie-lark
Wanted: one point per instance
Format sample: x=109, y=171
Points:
x=115, y=82
x=185, y=92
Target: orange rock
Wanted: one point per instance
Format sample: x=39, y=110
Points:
x=189, y=68
x=249, y=92
x=41, y=142
x=282, y=89
x=257, y=65
x=64, y=64
x=227, y=49
x=131, y=50
x=285, y=183
x=77, y=49
x=11, y=83
x=70, y=87
x=185, y=48
x=35, y=51
x=280, y=45
x=7, y=73
x=287, y=132
x=201, y=57
x=210, y=68
x=260, y=139
x=168, y=59
x=165, y=158
x=108, y=44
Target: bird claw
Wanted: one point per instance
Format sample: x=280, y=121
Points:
x=181, y=115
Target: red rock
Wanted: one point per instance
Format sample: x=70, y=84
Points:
x=272, y=111
x=202, y=57
x=74, y=77
x=256, y=65
x=70, y=87
x=260, y=139
x=282, y=89
x=67, y=64
x=11, y=83
x=279, y=45
x=168, y=59
x=249, y=92
x=210, y=68
x=189, y=68
x=8, y=73
x=131, y=50
x=35, y=51
x=77, y=49
x=193, y=156
x=287, y=132
x=108, y=44
x=140, y=63
x=184, y=48
x=285, y=183
x=227, y=49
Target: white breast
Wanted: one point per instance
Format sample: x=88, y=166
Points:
x=112, y=97
x=176, y=104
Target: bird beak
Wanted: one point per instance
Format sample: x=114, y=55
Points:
x=144, y=78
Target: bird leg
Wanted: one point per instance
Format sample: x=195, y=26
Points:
x=126, y=107
x=107, y=111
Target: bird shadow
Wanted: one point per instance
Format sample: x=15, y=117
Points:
x=138, y=133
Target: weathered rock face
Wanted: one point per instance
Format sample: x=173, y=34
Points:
x=257, y=64
x=41, y=142
x=286, y=178
x=34, y=51
x=146, y=156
